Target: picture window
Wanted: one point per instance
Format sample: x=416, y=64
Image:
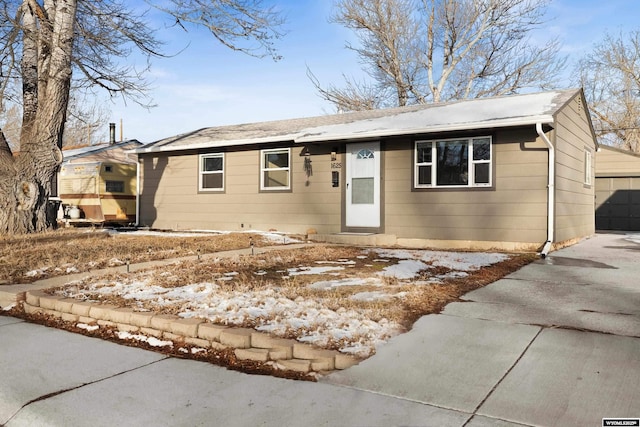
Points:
x=464, y=162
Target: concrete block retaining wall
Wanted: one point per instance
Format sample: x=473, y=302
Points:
x=248, y=343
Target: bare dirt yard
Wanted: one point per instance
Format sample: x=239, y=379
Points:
x=350, y=299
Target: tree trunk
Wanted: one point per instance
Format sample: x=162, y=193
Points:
x=26, y=179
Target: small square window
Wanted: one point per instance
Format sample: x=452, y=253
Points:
x=108, y=168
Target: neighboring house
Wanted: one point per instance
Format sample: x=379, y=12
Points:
x=617, y=189
x=101, y=180
x=468, y=174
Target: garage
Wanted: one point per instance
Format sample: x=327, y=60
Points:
x=617, y=190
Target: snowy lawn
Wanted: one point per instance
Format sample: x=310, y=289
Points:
x=349, y=299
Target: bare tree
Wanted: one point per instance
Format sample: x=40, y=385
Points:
x=10, y=121
x=86, y=118
x=610, y=76
x=48, y=44
x=419, y=51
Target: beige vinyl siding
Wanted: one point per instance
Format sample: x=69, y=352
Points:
x=514, y=210
x=575, y=211
x=614, y=162
x=171, y=199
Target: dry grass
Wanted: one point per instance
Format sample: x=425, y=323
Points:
x=82, y=250
x=270, y=271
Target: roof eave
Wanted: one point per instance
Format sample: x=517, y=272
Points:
x=309, y=136
x=528, y=121
x=213, y=144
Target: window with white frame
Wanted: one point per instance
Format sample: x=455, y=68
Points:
x=587, y=166
x=275, y=170
x=212, y=172
x=461, y=162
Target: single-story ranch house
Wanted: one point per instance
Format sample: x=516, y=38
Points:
x=513, y=173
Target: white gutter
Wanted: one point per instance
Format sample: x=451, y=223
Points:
x=550, y=191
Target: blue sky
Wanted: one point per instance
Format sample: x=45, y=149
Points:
x=209, y=85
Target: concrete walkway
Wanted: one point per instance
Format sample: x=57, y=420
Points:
x=556, y=343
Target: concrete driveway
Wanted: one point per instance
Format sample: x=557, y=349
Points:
x=556, y=343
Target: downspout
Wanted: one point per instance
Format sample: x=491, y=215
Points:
x=138, y=190
x=550, y=191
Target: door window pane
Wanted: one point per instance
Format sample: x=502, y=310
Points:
x=365, y=154
x=362, y=191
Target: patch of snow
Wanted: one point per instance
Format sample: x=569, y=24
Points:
x=270, y=311
x=152, y=341
x=404, y=269
x=352, y=281
x=277, y=238
x=452, y=275
x=194, y=350
x=312, y=270
x=88, y=327
x=634, y=238
x=371, y=296
x=36, y=273
x=464, y=261
x=339, y=262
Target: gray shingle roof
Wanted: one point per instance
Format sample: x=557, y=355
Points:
x=514, y=110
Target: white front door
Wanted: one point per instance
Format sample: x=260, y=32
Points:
x=363, y=185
